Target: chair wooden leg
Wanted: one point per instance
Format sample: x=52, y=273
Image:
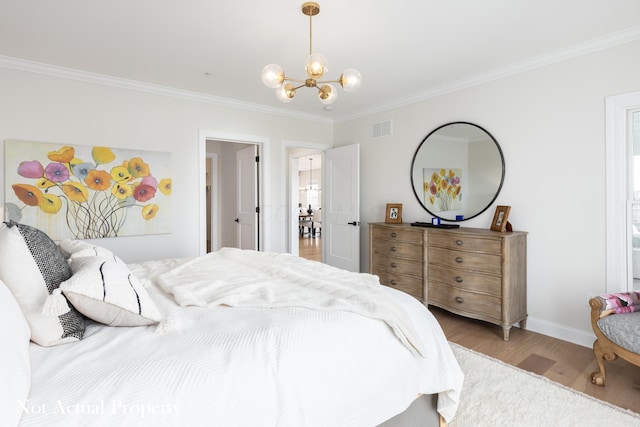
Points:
x=599, y=377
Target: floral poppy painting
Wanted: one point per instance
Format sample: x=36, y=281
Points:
x=87, y=192
x=442, y=189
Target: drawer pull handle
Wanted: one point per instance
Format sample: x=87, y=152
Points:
x=393, y=283
x=458, y=242
x=458, y=279
x=393, y=249
x=459, y=260
x=394, y=265
x=394, y=234
x=459, y=300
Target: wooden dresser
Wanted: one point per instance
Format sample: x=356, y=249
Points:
x=473, y=272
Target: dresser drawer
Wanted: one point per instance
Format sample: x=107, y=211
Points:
x=398, y=249
x=465, y=243
x=480, y=262
x=466, y=280
x=412, y=285
x=398, y=234
x=398, y=265
x=480, y=306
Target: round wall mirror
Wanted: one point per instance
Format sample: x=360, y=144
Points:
x=457, y=171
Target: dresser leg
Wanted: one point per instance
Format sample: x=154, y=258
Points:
x=505, y=331
x=523, y=324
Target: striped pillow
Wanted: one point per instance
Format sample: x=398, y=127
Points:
x=103, y=289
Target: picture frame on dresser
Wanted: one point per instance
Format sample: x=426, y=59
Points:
x=500, y=217
x=394, y=213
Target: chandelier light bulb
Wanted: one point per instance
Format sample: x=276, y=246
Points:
x=286, y=92
x=327, y=94
x=317, y=65
x=273, y=76
x=351, y=80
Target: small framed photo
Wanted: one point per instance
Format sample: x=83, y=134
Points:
x=394, y=213
x=500, y=222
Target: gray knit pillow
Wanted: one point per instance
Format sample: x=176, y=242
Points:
x=32, y=266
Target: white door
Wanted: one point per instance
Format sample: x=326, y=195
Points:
x=341, y=208
x=247, y=197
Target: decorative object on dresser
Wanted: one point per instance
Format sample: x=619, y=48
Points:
x=500, y=222
x=394, y=213
x=447, y=161
x=477, y=273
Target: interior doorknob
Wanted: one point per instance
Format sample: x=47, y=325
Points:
x=237, y=220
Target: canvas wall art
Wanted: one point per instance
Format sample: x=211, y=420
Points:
x=87, y=192
x=442, y=189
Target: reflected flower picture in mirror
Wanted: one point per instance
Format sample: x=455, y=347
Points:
x=442, y=189
x=88, y=192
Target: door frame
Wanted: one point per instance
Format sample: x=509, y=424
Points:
x=290, y=232
x=263, y=176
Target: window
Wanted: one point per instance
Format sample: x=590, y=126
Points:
x=622, y=191
x=633, y=141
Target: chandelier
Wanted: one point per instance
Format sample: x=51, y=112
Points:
x=274, y=77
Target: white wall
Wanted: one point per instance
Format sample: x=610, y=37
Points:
x=550, y=124
x=36, y=107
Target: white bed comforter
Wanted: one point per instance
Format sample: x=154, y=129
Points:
x=243, y=278
x=238, y=366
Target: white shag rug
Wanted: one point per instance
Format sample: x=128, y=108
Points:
x=496, y=394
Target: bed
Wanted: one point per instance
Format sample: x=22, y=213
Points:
x=232, y=338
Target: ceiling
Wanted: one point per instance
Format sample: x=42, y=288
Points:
x=406, y=50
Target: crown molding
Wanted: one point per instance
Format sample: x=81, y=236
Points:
x=618, y=38
x=105, y=80
x=601, y=43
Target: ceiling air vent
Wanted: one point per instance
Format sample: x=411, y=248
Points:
x=380, y=129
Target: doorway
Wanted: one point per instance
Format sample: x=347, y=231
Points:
x=340, y=200
x=310, y=206
x=230, y=215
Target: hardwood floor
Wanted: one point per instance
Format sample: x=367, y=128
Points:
x=560, y=361
x=310, y=247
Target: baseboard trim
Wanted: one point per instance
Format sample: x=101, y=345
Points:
x=573, y=335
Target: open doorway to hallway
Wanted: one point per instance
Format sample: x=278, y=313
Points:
x=232, y=195
x=310, y=205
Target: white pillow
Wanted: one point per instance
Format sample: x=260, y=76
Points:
x=32, y=267
x=103, y=289
x=15, y=366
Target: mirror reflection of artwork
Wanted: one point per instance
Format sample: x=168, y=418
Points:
x=442, y=189
x=468, y=148
x=86, y=192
